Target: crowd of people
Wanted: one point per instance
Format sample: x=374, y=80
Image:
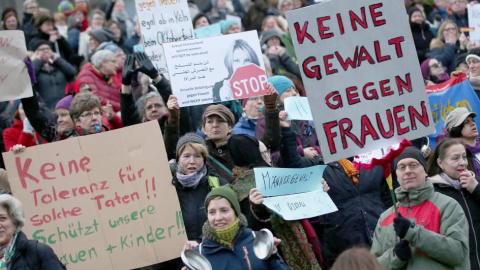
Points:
x=89, y=76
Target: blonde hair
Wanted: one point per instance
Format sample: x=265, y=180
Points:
x=198, y=148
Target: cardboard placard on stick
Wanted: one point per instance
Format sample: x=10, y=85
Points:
x=102, y=201
x=14, y=78
x=361, y=74
x=163, y=21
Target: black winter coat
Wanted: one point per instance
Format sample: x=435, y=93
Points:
x=359, y=208
x=470, y=203
x=51, y=84
x=192, y=204
x=30, y=254
x=421, y=38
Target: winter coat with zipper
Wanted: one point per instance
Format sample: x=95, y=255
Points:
x=30, y=254
x=222, y=257
x=438, y=239
x=422, y=36
x=359, y=207
x=51, y=83
x=470, y=203
x=101, y=85
x=192, y=203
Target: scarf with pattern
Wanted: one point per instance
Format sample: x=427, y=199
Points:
x=6, y=253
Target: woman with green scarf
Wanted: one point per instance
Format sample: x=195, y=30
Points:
x=228, y=243
x=16, y=251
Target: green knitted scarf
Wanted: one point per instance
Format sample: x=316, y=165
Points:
x=224, y=236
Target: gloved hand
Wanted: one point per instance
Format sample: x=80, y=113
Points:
x=27, y=127
x=401, y=226
x=402, y=250
x=128, y=69
x=270, y=99
x=31, y=70
x=146, y=66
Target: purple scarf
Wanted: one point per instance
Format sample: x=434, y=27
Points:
x=475, y=150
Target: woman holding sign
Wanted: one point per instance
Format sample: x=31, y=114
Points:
x=16, y=251
x=239, y=55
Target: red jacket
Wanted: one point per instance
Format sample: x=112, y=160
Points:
x=106, y=90
x=15, y=135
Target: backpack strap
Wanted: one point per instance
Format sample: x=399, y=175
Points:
x=221, y=165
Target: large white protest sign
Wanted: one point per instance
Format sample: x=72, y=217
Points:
x=102, y=201
x=361, y=74
x=216, y=69
x=474, y=21
x=294, y=193
x=163, y=21
x=14, y=78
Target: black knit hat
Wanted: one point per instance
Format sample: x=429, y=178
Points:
x=411, y=152
x=37, y=42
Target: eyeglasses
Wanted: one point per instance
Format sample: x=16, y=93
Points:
x=412, y=166
x=436, y=65
x=44, y=49
x=450, y=29
x=89, y=114
x=154, y=105
x=32, y=8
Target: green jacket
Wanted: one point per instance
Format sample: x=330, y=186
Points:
x=439, y=239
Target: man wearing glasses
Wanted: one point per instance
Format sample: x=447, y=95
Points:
x=430, y=230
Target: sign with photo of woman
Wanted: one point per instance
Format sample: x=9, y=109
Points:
x=216, y=69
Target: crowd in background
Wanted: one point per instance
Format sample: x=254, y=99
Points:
x=90, y=75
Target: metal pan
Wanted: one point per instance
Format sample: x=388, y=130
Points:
x=263, y=244
x=195, y=261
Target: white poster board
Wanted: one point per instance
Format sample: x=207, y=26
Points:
x=14, y=78
x=205, y=70
x=474, y=21
x=163, y=21
x=361, y=74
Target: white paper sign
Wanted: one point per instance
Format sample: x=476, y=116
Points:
x=298, y=108
x=361, y=74
x=205, y=70
x=14, y=79
x=163, y=21
x=474, y=21
x=302, y=205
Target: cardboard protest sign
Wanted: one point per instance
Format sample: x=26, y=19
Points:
x=294, y=193
x=474, y=21
x=216, y=69
x=361, y=75
x=163, y=21
x=444, y=98
x=14, y=78
x=298, y=108
x=102, y=201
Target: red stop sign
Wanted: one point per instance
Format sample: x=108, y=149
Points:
x=248, y=81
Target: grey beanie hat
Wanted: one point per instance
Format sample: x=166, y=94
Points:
x=102, y=35
x=266, y=35
x=189, y=137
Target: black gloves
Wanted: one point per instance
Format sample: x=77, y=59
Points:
x=402, y=250
x=145, y=65
x=401, y=226
x=128, y=69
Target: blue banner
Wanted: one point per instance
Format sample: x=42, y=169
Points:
x=445, y=97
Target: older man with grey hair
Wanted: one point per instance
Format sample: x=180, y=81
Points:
x=98, y=75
